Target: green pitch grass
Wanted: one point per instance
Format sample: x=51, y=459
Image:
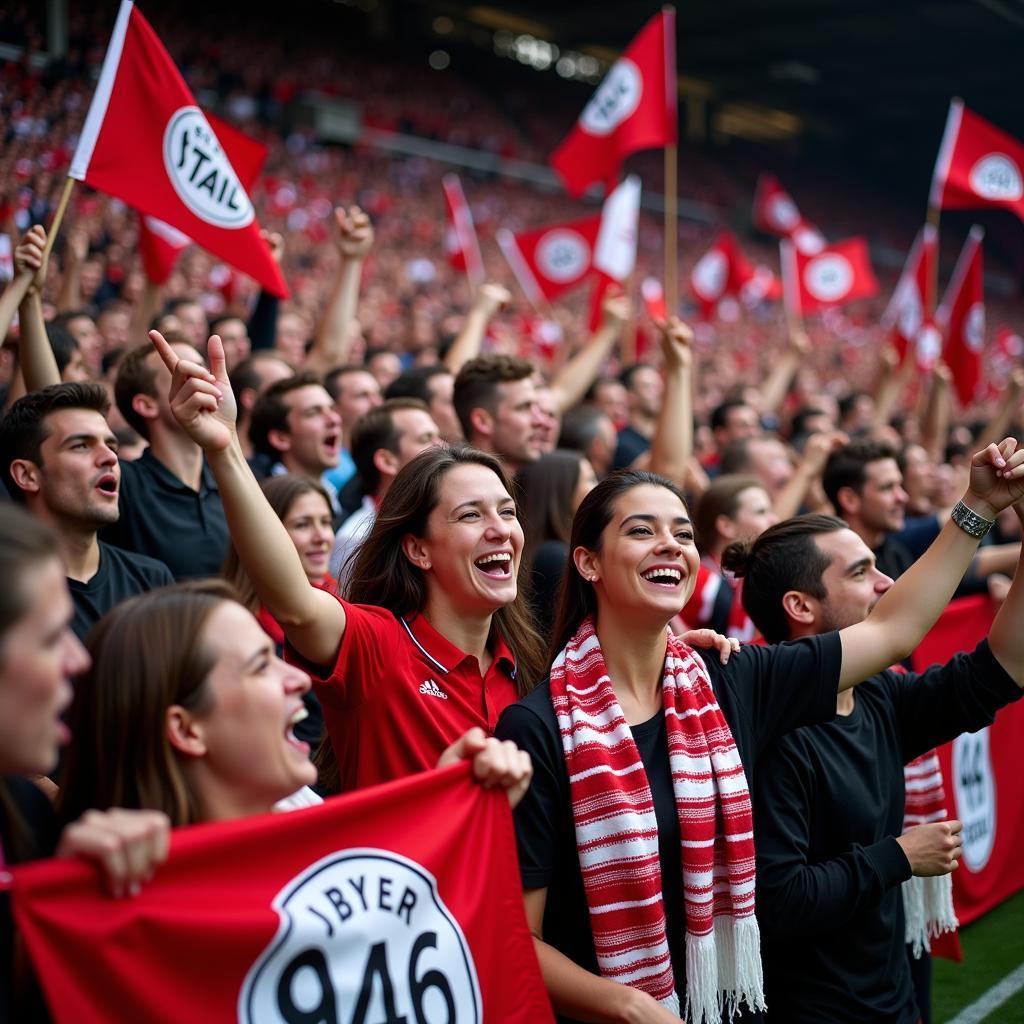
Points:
x=993, y=947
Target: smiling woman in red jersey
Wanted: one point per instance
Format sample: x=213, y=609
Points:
x=434, y=639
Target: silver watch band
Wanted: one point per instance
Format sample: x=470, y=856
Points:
x=969, y=521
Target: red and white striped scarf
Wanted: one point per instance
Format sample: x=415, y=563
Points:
x=617, y=833
x=927, y=902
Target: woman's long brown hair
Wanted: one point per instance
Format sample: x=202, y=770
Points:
x=381, y=574
x=146, y=656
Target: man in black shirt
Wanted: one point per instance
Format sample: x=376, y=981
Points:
x=865, y=485
x=829, y=799
x=170, y=506
x=59, y=459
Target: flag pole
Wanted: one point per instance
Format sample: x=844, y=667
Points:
x=51, y=235
x=671, y=230
x=934, y=214
x=671, y=167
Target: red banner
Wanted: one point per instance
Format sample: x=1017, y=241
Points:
x=460, y=242
x=913, y=301
x=836, y=275
x=633, y=108
x=776, y=213
x=551, y=261
x=981, y=771
x=375, y=906
x=978, y=165
x=722, y=270
x=147, y=142
x=961, y=317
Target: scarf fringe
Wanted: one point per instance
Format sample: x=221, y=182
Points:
x=727, y=967
x=671, y=1003
x=928, y=908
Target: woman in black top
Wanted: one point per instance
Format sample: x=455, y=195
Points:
x=634, y=563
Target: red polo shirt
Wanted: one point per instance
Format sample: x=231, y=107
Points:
x=399, y=693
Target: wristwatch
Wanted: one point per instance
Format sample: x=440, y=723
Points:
x=969, y=521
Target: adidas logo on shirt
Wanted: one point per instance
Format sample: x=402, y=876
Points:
x=431, y=689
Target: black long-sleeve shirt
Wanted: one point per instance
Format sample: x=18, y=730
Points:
x=828, y=806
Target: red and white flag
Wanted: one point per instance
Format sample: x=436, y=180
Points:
x=979, y=165
x=615, y=249
x=913, y=300
x=1005, y=357
x=1009, y=351
x=836, y=275
x=160, y=245
x=763, y=286
x=722, y=270
x=357, y=910
x=460, y=241
x=776, y=213
x=653, y=296
x=147, y=142
x=548, y=262
x=633, y=108
x=961, y=318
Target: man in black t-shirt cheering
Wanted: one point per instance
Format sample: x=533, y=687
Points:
x=864, y=482
x=829, y=799
x=59, y=460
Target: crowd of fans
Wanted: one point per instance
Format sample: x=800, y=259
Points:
x=350, y=478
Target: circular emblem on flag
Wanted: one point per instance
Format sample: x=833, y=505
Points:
x=782, y=213
x=997, y=177
x=563, y=255
x=363, y=936
x=201, y=173
x=710, y=274
x=617, y=97
x=828, y=278
x=929, y=346
x=974, y=327
x=975, y=793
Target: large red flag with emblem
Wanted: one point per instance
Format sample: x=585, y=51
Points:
x=836, y=275
x=460, y=241
x=776, y=213
x=913, y=300
x=147, y=142
x=160, y=245
x=978, y=165
x=722, y=270
x=961, y=318
x=398, y=902
x=633, y=108
x=548, y=262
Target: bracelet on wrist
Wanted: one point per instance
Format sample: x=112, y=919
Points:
x=969, y=521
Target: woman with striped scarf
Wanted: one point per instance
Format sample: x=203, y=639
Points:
x=636, y=839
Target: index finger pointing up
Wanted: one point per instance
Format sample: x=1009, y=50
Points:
x=164, y=350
